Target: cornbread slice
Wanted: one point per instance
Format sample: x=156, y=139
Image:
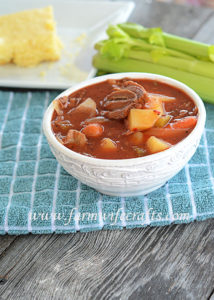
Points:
x=29, y=37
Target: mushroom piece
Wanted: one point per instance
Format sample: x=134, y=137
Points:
x=75, y=138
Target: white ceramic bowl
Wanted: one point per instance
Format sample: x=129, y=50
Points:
x=128, y=177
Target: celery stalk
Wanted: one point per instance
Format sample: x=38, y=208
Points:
x=191, y=47
x=157, y=55
x=202, y=85
x=115, y=45
x=133, y=48
x=194, y=48
x=138, y=31
x=196, y=66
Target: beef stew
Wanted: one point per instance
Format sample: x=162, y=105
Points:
x=125, y=118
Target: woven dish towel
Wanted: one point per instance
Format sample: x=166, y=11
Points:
x=38, y=196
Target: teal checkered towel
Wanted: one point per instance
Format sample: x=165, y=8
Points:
x=38, y=196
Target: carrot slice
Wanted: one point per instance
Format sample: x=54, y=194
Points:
x=168, y=134
x=187, y=122
x=93, y=130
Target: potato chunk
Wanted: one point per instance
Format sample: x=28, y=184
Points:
x=142, y=119
x=155, y=145
x=136, y=138
x=108, y=145
x=88, y=106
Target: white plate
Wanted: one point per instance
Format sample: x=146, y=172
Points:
x=79, y=24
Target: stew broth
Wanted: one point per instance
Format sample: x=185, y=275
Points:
x=99, y=120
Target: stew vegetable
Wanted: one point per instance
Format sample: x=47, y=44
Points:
x=125, y=118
